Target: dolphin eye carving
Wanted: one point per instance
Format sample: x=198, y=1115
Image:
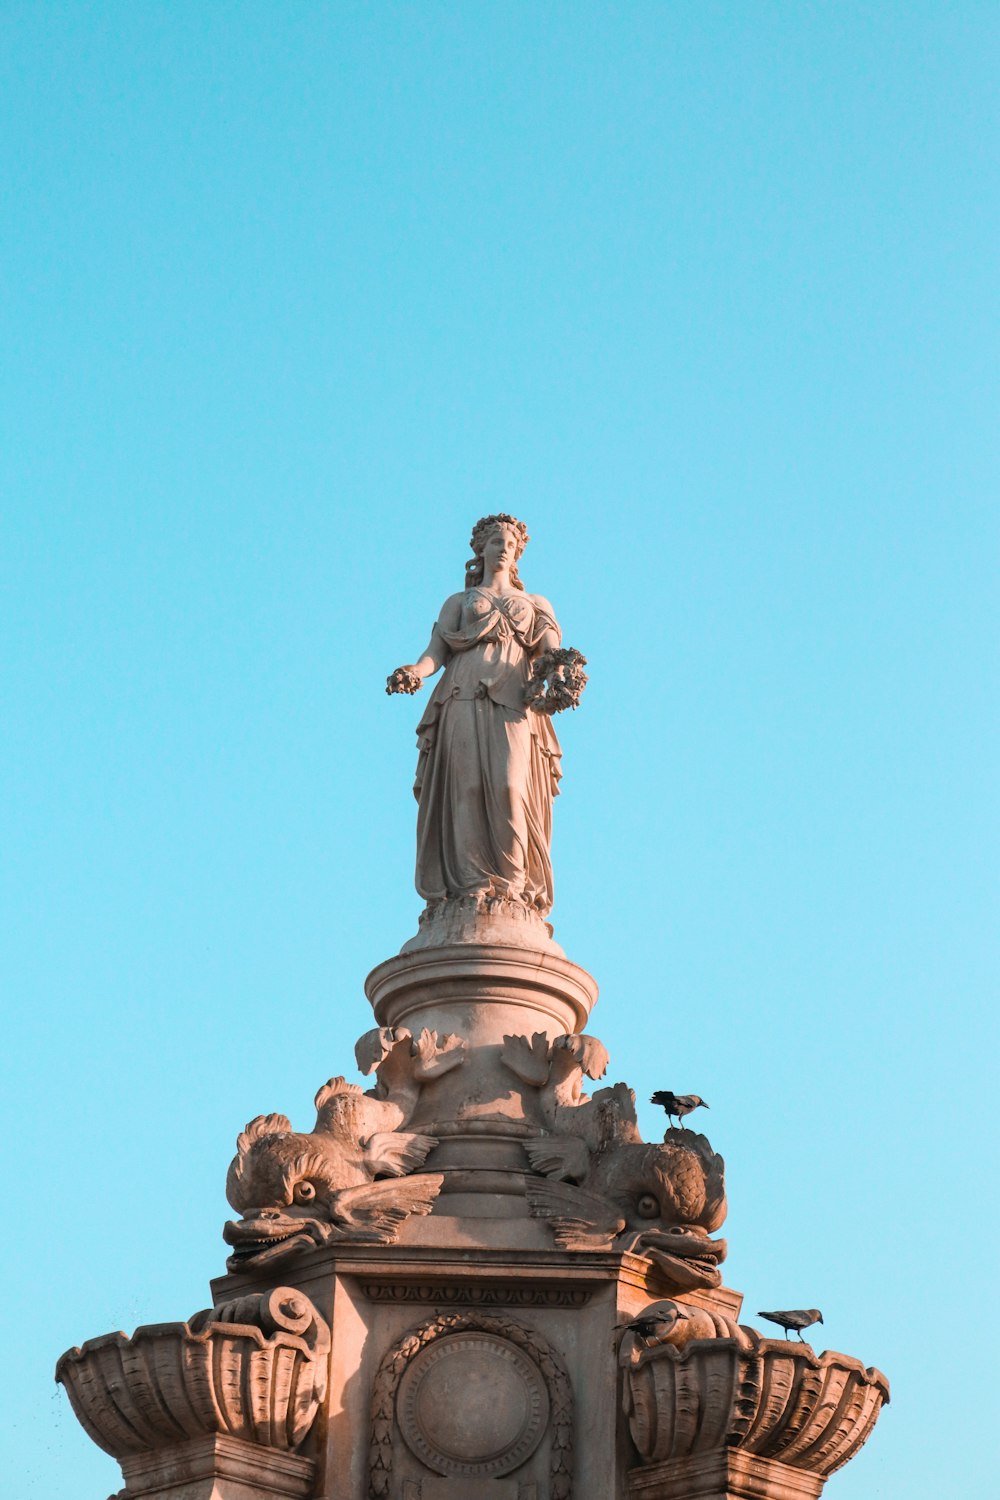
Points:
x=303, y=1192
x=647, y=1207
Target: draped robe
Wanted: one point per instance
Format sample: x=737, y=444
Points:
x=488, y=768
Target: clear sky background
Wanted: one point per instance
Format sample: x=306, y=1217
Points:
x=707, y=294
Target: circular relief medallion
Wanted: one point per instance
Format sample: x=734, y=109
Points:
x=472, y=1403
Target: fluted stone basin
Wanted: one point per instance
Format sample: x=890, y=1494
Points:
x=253, y=1369
x=773, y=1398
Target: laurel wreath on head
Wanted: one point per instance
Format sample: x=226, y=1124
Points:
x=557, y=681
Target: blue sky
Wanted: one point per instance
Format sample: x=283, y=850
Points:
x=707, y=294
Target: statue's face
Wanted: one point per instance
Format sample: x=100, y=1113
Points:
x=499, y=549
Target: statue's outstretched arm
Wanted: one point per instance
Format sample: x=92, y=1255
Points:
x=408, y=679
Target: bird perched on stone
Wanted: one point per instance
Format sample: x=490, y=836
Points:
x=656, y=1324
x=675, y=1323
x=794, y=1318
x=677, y=1105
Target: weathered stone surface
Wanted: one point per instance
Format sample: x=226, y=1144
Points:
x=252, y=1368
x=490, y=988
x=472, y=1395
x=472, y=1404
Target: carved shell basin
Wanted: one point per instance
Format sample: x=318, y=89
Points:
x=170, y=1382
x=776, y=1399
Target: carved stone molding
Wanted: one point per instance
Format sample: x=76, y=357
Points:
x=418, y=989
x=535, y=1370
x=253, y=1369
x=728, y=1474
x=477, y=1296
x=219, y=1468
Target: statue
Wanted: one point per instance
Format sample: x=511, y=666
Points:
x=489, y=760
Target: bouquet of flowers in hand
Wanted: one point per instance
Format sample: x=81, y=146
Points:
x=404, y=680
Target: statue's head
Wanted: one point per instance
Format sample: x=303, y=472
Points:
x=486, y=529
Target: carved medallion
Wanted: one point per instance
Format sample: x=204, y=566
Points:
x=472, y=1404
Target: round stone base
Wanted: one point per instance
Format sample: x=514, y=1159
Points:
x=481, y=1111
x=493, y=921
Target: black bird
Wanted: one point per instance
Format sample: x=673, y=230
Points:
x=653, y=1328
x=795, y=1318
x=677, y=1105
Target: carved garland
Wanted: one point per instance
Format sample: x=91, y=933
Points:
x=390, y=1373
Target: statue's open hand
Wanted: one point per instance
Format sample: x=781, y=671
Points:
x=404, y=680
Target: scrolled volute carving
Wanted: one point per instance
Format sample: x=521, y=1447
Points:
x=689, y=1390
x=281, y=1310
x=338, y=1182
x=254, y=1368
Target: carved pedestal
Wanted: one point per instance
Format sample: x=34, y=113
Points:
x=488, y=1370
x=471, y=1281
x=479, y=1112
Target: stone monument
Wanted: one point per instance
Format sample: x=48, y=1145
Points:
x=471, y=1280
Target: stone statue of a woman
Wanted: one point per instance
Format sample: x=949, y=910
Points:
x=488, y=764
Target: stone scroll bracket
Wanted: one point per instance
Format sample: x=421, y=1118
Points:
x=514, y=1354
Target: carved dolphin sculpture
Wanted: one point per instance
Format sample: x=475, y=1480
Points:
x=606, y=1186
x=581, y=1220
x=297, y=1190
x=666, y=1183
